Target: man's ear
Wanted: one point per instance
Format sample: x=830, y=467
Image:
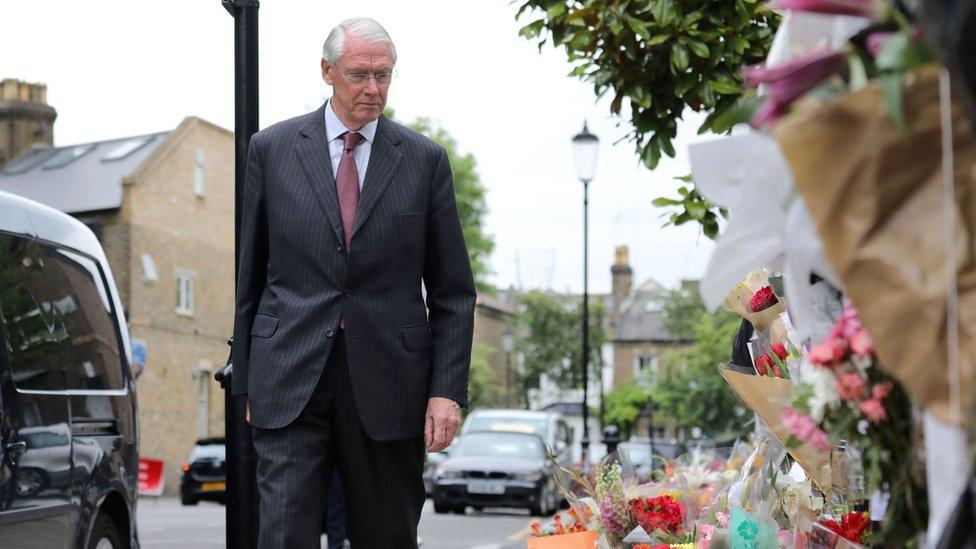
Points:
x=326, y=72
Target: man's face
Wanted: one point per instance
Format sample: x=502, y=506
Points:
x=358, y=104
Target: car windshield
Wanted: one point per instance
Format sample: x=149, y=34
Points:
x=208, y=451
x=499, y=445
x=512, y=424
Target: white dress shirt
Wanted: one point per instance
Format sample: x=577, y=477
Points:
x=334, y=128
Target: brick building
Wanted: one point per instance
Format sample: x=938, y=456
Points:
x=162, y=206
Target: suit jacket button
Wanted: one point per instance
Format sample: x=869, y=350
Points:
x=329, y=333
x=339, y=248
x=346, y=293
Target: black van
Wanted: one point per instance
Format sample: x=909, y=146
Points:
x=69, y=453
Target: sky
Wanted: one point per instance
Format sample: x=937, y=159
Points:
x=115, y=68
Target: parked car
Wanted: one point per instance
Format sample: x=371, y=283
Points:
x=69, y=447
x=550, y=426
x=639, y=453
x=205, y=473
x=496, y=469
x=434, y=459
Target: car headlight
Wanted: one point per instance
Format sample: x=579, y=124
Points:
x=448, y=473
x=528, y=477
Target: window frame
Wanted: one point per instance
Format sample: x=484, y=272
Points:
x=185, y=274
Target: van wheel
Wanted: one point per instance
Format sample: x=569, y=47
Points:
x=104, y=534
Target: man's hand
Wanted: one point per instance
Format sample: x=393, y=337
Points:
x=247, y=411
x=442, y=420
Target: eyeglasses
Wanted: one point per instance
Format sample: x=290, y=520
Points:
x=382, y=78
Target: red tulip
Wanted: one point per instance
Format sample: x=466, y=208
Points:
x=780, y=351
x=859, y=8
x=764, y=364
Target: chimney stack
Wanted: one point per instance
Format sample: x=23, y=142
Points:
x=26, y=120
x=622, y=275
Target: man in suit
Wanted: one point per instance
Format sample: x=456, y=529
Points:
x=344, y=359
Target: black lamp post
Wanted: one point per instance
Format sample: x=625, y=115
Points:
x=585, y=147
x=241, y=528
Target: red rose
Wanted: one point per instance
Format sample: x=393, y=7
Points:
x=780, y=351
x=764, y=364
x=763, y=299
x=661, y=513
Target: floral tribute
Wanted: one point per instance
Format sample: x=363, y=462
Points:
x=662, y=513
x=843, y=395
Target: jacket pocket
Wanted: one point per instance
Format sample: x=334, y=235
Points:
x=411, y=218
x=264, y=325
x=417, y=337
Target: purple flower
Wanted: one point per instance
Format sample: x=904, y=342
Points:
x=610, y=517
x=788, y=81
x=859, y=8
x=877, y=40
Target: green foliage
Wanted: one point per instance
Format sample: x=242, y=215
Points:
x=692, y=206
x=692, y=393
x=623, y=406
x=470, y=194
x=657, y=57
x=552, y=344
x=483, y=388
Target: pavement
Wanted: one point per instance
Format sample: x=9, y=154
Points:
x=166, y=524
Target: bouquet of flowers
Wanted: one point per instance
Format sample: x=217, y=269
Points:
x=844, y=395
x=755, y=300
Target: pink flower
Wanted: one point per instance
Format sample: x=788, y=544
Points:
x=788, y=81
x=829, y=352
x=850, y=386
x=881, y=390
x=859, y=8
x=723, y=520
x=862, y=344
x=803, y=428
x=874, y=410
x=877, y=40
x=706, y=531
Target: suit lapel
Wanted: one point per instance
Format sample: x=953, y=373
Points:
x=384, y=159
x=313, y=151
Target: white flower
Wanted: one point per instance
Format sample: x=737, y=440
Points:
x=824, y=386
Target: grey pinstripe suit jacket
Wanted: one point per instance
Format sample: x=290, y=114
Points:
x=296, y=280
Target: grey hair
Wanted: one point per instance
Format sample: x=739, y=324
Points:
x=364, y=28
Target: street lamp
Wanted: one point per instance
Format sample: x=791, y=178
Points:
x=508, y=345
x=585, y=147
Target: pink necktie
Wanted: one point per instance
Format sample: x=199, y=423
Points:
x=347, y=186
x=347, y=183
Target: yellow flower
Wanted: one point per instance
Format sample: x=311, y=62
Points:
x=682, y=546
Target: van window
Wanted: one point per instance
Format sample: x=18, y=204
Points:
x=92, y=360
x=32, y=317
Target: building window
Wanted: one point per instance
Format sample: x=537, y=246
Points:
x=646, y=367
x=199, y=181
x=185, y=282
x=148, y=268
x=202, y=376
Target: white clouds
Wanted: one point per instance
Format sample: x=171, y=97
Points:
x=116, y=68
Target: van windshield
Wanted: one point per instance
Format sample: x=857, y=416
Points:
x=511, y=424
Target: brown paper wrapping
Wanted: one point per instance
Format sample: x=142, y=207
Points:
x=738, y=301
x=875, y=195
x=766, y=396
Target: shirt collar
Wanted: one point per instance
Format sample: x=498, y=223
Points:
x=334, y=127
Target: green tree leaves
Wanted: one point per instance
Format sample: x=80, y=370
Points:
x=659, y=57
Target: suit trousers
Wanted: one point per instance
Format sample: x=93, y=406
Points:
x=381, y=480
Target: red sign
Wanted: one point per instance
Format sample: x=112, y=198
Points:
x=151, y=477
